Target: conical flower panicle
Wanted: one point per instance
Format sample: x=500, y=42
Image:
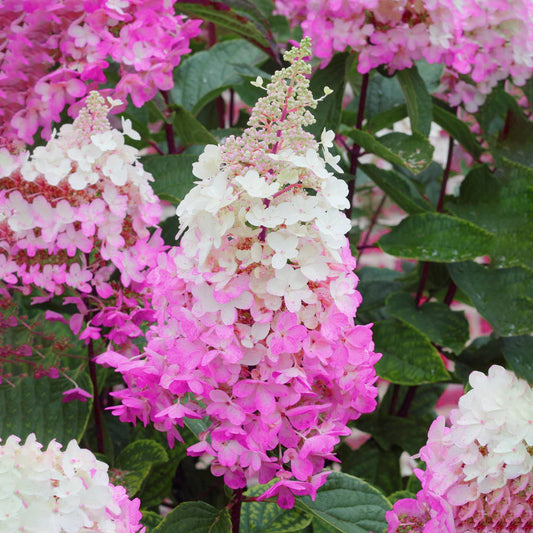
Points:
x=255, y=307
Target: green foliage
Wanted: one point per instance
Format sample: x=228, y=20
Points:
x=36, y=406
x=204, y=75
x=347, y=504
x=409, y=358
x=195, y=517
x=503, y=296
x=264, y=517
x=136, y=460
x=417, y=98
x=173, y=177
x=413, y=152
x=437, y=237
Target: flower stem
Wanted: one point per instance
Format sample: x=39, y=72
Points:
x=235, y=510
x=356, y=149
x=97, y=404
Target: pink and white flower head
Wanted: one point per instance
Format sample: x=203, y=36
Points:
x=479, y=470
x=255, y=308
x=76, y=210
x=60, y=491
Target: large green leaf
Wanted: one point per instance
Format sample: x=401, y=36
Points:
x=436, y=237
x=413, y=152
x=189, y=130
x=417, y=98
x=328, y=111
x=136, y=460
x=204, y=75
x=409, y=358
x=504, y=296
x=399, y=188
x=35, y=406
x=502, y=205
x=264, y=517
x=348, y=504
x=195, y=517
x=173, y=177
x=435, y=320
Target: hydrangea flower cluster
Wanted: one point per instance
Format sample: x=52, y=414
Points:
x=73, y=213
x=60, y=491
x=52, y=53
x=383, y=32
x=255, y=308
x=481, y=42
x=491, y=48
x=479, y=470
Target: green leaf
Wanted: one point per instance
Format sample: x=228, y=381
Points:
x=457, y=129
x=348, y=504
x=35, y=406
x=400, y=495
x=518, y=354
x=264, y=517
x=436, y=237
x=480, y=355
x=413, y=152
x=204, y=75
x=189, y=130
x=419, y=105
x=328, y=111
x=431, y=74
x=386, y=119
x=399, y=188
x=383, y=94
x=195, y=517
x=136, y=460
x=504, y=297
x=374, y=464
x=435, y=320
x=197, y=425
x=158, y=485
x=409, y=358
x=150, y=520
x=229, y=19
x=502, y=204
x=173, y=177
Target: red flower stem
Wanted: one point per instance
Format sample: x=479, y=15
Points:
x=169, y=130
x=97, y=404
x=355, y=151
x=234, y=507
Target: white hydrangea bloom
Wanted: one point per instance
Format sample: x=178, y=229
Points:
x=53, y=491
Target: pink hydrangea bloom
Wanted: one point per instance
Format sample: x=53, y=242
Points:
x=53, y=53
x=255, y=308
x=480, y=42
x=478, y=476
x=61, y=491
x=73, y=213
